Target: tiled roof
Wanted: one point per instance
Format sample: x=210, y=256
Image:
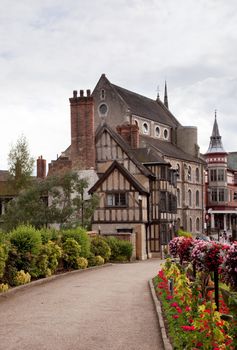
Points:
x=148, y=155
x=145, y=107
x=168, y=149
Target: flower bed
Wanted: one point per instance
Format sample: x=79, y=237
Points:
x=188, y=289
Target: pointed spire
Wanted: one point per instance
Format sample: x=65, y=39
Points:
x=158, y=93
x=215, y=145
x=166, y=97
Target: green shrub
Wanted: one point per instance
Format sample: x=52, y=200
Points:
x=3, y=258
x=95, y=260
x=80, y=235
x=3, y=287
x=82, y=263
x=121, y=250
x=49, y=234
x=26, y=239
x=25, y=246
x=182, y=233
x=99, y=260
x=99, y=246
x=71, y=252
x=22, y=277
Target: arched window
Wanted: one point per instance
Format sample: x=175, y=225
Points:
x=166, y=134
x=190, y=225
x=157, y=131
x=178, y=223
x=197, y=198
x=136, y=122
x=145, y=128
x=178, y=197
x=178, y=171
x=189, y=173
x=102, y=94
x=197, y=174
x=198, y=224
x=189, y=198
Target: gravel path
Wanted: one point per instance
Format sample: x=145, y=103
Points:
x=106, y=309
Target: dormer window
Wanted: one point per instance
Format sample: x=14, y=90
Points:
x=145, y=128
x=157, y=131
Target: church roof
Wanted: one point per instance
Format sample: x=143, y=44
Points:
x=145, y=107
x=168, y=149
x=215, y=145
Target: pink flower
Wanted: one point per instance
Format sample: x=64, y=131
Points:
x=175, y=316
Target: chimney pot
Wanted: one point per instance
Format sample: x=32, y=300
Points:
x=88, y=92
x=81, y=93
x=75, y=93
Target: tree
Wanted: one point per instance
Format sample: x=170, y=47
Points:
x=21, y=164
x=56, y=199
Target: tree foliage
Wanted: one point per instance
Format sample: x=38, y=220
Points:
x=54, y=200
x=21, y=164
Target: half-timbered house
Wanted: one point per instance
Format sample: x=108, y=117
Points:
x=142, y=163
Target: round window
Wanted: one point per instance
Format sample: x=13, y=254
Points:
x=103, y=109
x=145, y=128
x=157, y=131
x=165, y=133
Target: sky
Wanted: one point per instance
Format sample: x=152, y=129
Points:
x=51, y=47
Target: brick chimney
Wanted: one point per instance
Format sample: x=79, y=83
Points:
x=130, y=134
x=82, y=130
x=41, y=167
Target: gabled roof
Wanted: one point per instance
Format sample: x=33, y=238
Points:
x=124, y=147
x=124, y=172
x=168, y=149
x=145, y=107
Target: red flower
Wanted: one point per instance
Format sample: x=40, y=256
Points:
x=188, y=328
x=175, y=316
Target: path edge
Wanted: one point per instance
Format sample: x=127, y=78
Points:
x=14, y=290
x=165, y=339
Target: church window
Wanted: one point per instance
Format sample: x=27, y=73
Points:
x=157, y=131
x=178, y=171
x=197, y=174
x=189, y=173
x=190, y=225
x=166, y=134
x=103, y=109
x=189, y=198
x=102, y=94
x=197, y=199
x=197, y=224
x=145, y=128
x=118, y=199
x=178, y=197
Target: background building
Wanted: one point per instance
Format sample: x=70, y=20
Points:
x=221, y=186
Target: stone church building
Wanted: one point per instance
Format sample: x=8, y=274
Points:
x=142, y=163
